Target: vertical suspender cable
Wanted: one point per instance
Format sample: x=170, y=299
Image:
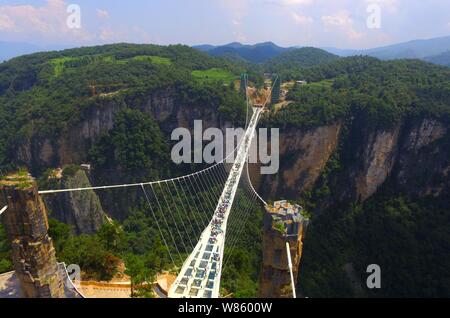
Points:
x=157, y=223
x=179, y=216
x=167, y=224
x=183, y=205
x=288, y=250
x=199, y=225
x=173, y=219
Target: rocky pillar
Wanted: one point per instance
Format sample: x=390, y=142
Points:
x=26, y=224
x=275, y=279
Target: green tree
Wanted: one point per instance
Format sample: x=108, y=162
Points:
x=112, y=237
x=142, y=277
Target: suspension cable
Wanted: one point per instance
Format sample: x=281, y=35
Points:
x=165, y=221
x=159, y=227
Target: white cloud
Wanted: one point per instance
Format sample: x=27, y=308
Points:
x=236, y=22
x=236, y=10
x=47, y=21
x=102, y=14
x=341, y=21
x=302, y=20
x=6, y=23
x=288, y=3
x=107, y=34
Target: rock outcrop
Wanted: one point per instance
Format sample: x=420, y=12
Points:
x=82, y=210
x=33, y=253
x=283, y=224
x=413, y=155
x=303, y=156
x=73, y=145
x=377, y=162
x=423, y=163
x=371, y=157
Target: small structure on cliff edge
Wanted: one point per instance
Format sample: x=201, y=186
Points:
x=283, y=222
x=37, y=273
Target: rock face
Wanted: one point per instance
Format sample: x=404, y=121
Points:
x=73, y=145
x=32, y=249
x=423, y=164
x=282, y=224
x=372, y=156
x=413, y=155
x=82, y=210
x=378, y=159
x=303, y=156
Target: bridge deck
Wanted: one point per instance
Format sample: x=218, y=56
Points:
x=201, y=273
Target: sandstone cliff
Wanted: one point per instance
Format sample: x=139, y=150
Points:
x=72, y=146
x=33, y=253
x=413, y=155
x=82, y=210
x=303, y=156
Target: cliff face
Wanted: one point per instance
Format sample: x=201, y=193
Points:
x=275, y=278
x=82, y=210
x=378, y=158
x=423, y=165
x=73, y=145
x=303, y=156
x=413, y=155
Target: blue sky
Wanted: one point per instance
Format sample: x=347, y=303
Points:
x=320, y=23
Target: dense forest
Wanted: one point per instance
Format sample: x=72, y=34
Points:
x=382, y=92
x=44, y=95
x=288, y=63
x=402, y=232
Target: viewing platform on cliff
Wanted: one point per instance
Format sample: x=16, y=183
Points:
x=286, y=217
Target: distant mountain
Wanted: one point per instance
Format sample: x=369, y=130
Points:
x=258, y=53
x=8, y=50
x=303, y=57
x=417, y=49
x=429, y=50
x=442, y=59
x=204, y=48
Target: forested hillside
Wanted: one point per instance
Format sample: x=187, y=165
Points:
x=292, y=60
x=114, y=106
x=377, y=133
x=364, y=147
x=44, y=93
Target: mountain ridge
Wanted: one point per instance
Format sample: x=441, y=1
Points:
x=424, y=49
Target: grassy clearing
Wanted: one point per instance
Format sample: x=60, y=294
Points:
x=59, y=64
x=63, y=63
x=152, y=59
x=322, y=84
x=214, y=74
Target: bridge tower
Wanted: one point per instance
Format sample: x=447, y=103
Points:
x=26, y=224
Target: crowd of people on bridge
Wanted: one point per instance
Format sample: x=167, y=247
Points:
x=219, y=216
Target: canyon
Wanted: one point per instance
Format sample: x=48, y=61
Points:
x=410, y=155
